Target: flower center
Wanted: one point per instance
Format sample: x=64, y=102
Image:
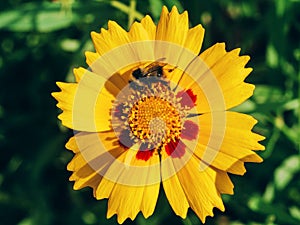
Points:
x=155, y=120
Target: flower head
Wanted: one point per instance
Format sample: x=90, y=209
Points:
x=151, y=110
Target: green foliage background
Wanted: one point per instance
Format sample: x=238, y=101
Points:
x=40, y=43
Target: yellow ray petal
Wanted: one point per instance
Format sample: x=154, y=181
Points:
x=218, y=159
x=86, y=106
x=161, y=30
x=83, y=174
x=172, y=27
x=238, y=94
x=138, y=32
x=99, y=150
x=91, y=57
x=223, y=183
x=234, y=146
x=217, y=71
x=149, y=26
x=127, y=194
x=238, y=130
x=149, y=199
x=213, y=54
x=127, y=201
x=173, y=188
x=229, y=69
x=199, y=187
x=109, y=39
x=194, y=39
x=94, y=153
x=144, y=48
x=72, y=145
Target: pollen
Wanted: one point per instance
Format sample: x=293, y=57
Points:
x=155, y=120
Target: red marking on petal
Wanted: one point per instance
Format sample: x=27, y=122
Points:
x=175, y=149
x=144, y=155
x=188, y=98
x=190, y=130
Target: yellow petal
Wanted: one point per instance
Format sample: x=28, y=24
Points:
x=230, y=72
x=127, y=201
x=86, y=106
x=91, y=57
x=173, y=188
x=227, y=148
x=238, y=94
x=217, y=78
x=72, y=145
x=94, y=153
x=194, y=39
x=142, y=46
x=83, y=174
x=149, y=199
x=213, y=54
x=172, y=27
x=149, y=26
x=223, y=183
x=109, y=39
x=132, y=185
x=138, y=32
x=199, y=188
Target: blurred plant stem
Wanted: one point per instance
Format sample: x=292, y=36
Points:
x=129, y=10
x=132, y=8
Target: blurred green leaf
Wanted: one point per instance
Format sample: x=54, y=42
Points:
x=269, y=193
x=171, y=3
x=155, y=7
x=124, y=8
x=295, y=212
x=246, y=107
x=89, y=217
x=286, y=171
x=281, y=6
x=276, y=211
x=26, y=221
x=43, y=17
x=70, y=45
x=272, y=56
x=268, y=95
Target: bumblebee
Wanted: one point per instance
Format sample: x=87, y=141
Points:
x=153, y=69
x=150, y=74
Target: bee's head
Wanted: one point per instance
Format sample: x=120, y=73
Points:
x=159, y=71
x=137, y=73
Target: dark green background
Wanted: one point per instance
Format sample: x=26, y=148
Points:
x=40, y=43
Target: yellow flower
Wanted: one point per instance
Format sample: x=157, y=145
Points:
x=151, y=110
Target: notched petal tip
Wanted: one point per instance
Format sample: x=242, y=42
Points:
x=221, y=45
x=111, y=24
x=67, y=87
x=165, y=9
x=120, y=218
x=174, y=10
x=94, y=34
x=59, y=84
x=55, y=95
x=78, y=73
x=236, y=51
x=114, y=26
x=70, y=167
x=91, y=57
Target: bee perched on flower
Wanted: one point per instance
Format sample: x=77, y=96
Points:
x=150, y=109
